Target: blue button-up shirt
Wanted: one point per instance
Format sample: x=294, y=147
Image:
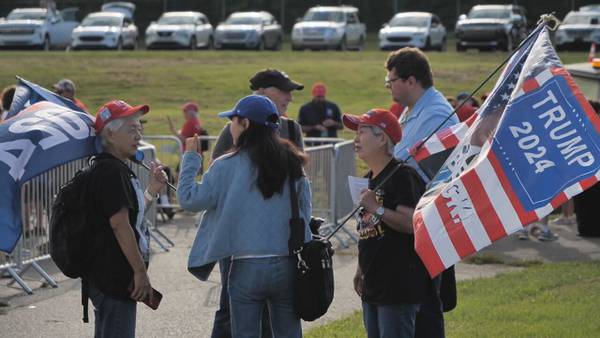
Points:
x=427, y=114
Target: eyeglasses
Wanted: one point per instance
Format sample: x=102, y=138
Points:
x=388, y=82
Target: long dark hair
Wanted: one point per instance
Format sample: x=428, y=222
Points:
x=274, y=158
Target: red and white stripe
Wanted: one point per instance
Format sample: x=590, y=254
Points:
x=444, y=139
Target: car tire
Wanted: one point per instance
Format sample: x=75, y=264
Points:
x=343, y=45
x=193, y=43
x=211, y=43
x=119, y=46
x=460, y=48
x=46, y=45
x=443, y=45
x=278, y=44
x=261, y=44
x=361, y=44
x=427, y=45
x=296, y=48
x=509, y=43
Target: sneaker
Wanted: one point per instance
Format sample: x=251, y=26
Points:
x=562, y=221
x=547, y=236
x=523, y=235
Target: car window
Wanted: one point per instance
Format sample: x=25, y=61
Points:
x=243, y=20
x=324, y=16
x=27, y=16
x=350, y=18
x=101, y=21
x=435, y=21
x=408, y=21
x=489, y=13
x=176, y=20
x=580, y=18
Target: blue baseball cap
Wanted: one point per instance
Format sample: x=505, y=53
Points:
x=255, y=108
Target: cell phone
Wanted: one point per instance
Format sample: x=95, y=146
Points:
x=155, y=300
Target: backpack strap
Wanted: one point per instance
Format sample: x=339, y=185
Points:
x=85, y=296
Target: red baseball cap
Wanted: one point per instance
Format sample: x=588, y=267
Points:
x=319, y=89
x=376, y=117
x=116, y=109
x=193, y=106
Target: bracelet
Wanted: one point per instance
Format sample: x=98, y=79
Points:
x=149, y=196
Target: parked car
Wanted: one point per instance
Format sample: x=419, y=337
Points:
x=491, y=26
x=329, y=27
x=415, y=29
x=254, y=30
x=113, y=28
x=590, y=8
x=37, y=27
x=578, y=30
x=180, y=30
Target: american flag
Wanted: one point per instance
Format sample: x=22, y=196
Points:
x=532, y=145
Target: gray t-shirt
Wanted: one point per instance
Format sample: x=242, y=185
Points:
x=225, y=141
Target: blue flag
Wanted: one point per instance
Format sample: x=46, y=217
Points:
x=37, y=139
x=28, y=93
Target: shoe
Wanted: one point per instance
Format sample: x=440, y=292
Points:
x=563, y=221
x=523, y=235
x=547, y=236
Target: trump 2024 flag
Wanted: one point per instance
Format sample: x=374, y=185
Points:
x=534, y=144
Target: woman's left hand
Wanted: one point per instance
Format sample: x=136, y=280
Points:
x=368, y=200
x=158, y=179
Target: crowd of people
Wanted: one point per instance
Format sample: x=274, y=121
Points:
x=245, y=197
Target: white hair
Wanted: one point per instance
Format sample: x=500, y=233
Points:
x=389, y=147
x=115, y=125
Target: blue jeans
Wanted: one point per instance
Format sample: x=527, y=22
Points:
x=222, y=322
x=390, y=321
x=430, y=319
x=113, y=317
x=254, y=282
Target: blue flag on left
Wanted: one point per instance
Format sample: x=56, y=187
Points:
x=44, y=135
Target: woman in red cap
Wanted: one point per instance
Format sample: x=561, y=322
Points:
x=390, y=278
x=117, y=272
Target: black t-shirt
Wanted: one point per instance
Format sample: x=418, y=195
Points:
x=314, y=113
x=111, y=190
x=393, y=273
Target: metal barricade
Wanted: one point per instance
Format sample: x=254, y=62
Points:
x=310, y=142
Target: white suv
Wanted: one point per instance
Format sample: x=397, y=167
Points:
x=180, y=29
x=329, y=27
x=37, y=27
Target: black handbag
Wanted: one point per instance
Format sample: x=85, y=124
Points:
x=314, y=274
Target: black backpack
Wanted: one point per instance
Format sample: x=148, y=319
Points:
x=70, y=231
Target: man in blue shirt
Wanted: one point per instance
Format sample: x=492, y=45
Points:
x=410, y=81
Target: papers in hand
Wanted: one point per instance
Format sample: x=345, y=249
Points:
x=357, y=185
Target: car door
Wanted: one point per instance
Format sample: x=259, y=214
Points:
x=436, y=31
x=202, y=30
x=352, y=28
x=130, y=32
x=63, y=26
x=268, y=32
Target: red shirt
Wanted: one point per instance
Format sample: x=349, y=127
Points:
x=397, y=109
x=190, y=127
x=465, y=112
x=81, y=105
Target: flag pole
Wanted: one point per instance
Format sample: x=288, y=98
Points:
x=545, y=20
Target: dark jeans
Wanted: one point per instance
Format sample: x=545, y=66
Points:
x=390, y=321
x=430, y=319
x=222, y=323
x=115, y=318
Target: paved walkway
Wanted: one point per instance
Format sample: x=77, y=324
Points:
x=188, y=304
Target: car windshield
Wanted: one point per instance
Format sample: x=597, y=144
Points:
x=324, y=16
x=101, y=21
x=243, y=20
x=580, y=19
x=176, y=20
x=409, y=21
x=489, y=13
x=27, y=16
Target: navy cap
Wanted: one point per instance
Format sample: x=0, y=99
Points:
x=255, y=108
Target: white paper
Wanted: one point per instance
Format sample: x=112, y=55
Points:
x=357, y=185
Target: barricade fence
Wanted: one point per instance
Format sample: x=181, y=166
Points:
x=329, y=165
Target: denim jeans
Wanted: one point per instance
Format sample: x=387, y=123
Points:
x=430, y=319
x=390, y=321
x=222, y=322
x=254, y=282
x=113, y=317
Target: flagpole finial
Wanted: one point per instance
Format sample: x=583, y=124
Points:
x=549, y=20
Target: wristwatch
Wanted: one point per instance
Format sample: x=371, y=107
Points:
x=379, y=212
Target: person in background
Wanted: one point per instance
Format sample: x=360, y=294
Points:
x=320, y=117
x=6, y=99
x=66, y=88
x=246, y=198
x=191, y=125
x=397, y=109
x=467, y=109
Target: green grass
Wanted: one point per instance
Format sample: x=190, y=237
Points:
x=549, y=300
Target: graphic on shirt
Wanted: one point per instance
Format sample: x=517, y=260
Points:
x=369, y=225
x=140, y=225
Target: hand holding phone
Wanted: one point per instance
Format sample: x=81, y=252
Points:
x=152, y=301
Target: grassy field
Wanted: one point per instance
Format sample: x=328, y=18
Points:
x=549, y=300
x=216, y=79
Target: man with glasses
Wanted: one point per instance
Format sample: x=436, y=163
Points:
x=410, y=81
